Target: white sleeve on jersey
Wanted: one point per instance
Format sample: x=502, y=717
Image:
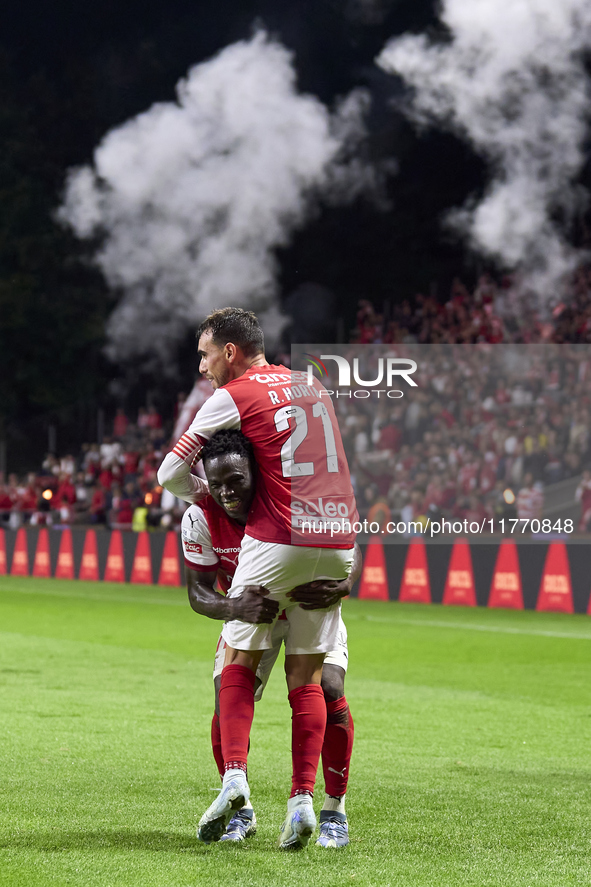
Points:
x=174, y=474
x=196, y=539
x=218, y=412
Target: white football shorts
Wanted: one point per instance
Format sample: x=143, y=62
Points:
x=339, y=656
x=280, y=568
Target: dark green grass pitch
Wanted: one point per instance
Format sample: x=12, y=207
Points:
x=472, y=763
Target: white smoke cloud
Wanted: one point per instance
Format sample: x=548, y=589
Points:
x=190, y=199
x=511, y=79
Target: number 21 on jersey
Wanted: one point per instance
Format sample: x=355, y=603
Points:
x=290, y=467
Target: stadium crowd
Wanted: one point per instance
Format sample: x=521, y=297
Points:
x=492, y=312
x=111, y=483
x=484, y=434
x=476, y=444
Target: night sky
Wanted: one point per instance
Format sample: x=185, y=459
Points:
x=71, y=72
x=81, y=72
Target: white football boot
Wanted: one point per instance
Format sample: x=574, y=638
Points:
x=299, y=824
x=233, y=796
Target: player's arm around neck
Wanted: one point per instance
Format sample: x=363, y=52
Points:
x=175, y=475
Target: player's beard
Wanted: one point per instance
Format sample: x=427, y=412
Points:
x=222, y=377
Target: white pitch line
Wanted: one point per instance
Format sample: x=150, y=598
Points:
x=432, y=623
x=495, y=629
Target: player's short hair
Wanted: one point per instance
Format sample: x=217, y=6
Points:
x=227, y=442
x=237, y=326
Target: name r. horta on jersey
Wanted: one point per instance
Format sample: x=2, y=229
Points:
x=289, y=389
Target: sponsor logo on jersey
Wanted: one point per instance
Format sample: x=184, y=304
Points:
x=321, y=506
x=266, y=378
x=193, y=547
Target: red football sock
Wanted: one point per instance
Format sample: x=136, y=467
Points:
x=216, y=743
x=337, y=747
x=308, y=722
x=236, y=714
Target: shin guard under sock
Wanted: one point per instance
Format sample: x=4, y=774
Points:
x=337, y=747
x=236, y=714
x=308, y=720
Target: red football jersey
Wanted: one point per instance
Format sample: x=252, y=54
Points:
x=211, y=540
x=304, y=494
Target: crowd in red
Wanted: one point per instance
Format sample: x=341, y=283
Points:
x=483, y=435
x=456, y=448
x=488, y=430
x=113, y=483
x=492, y=312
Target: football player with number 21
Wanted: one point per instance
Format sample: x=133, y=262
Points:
x=298, y=531
x=212, y=532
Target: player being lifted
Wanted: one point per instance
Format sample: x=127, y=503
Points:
x=212, y=533
x=299, y=529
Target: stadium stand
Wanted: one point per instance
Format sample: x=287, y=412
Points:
x=479, y=424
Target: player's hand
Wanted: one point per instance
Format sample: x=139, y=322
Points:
x=320, y=594
x=254, y=606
